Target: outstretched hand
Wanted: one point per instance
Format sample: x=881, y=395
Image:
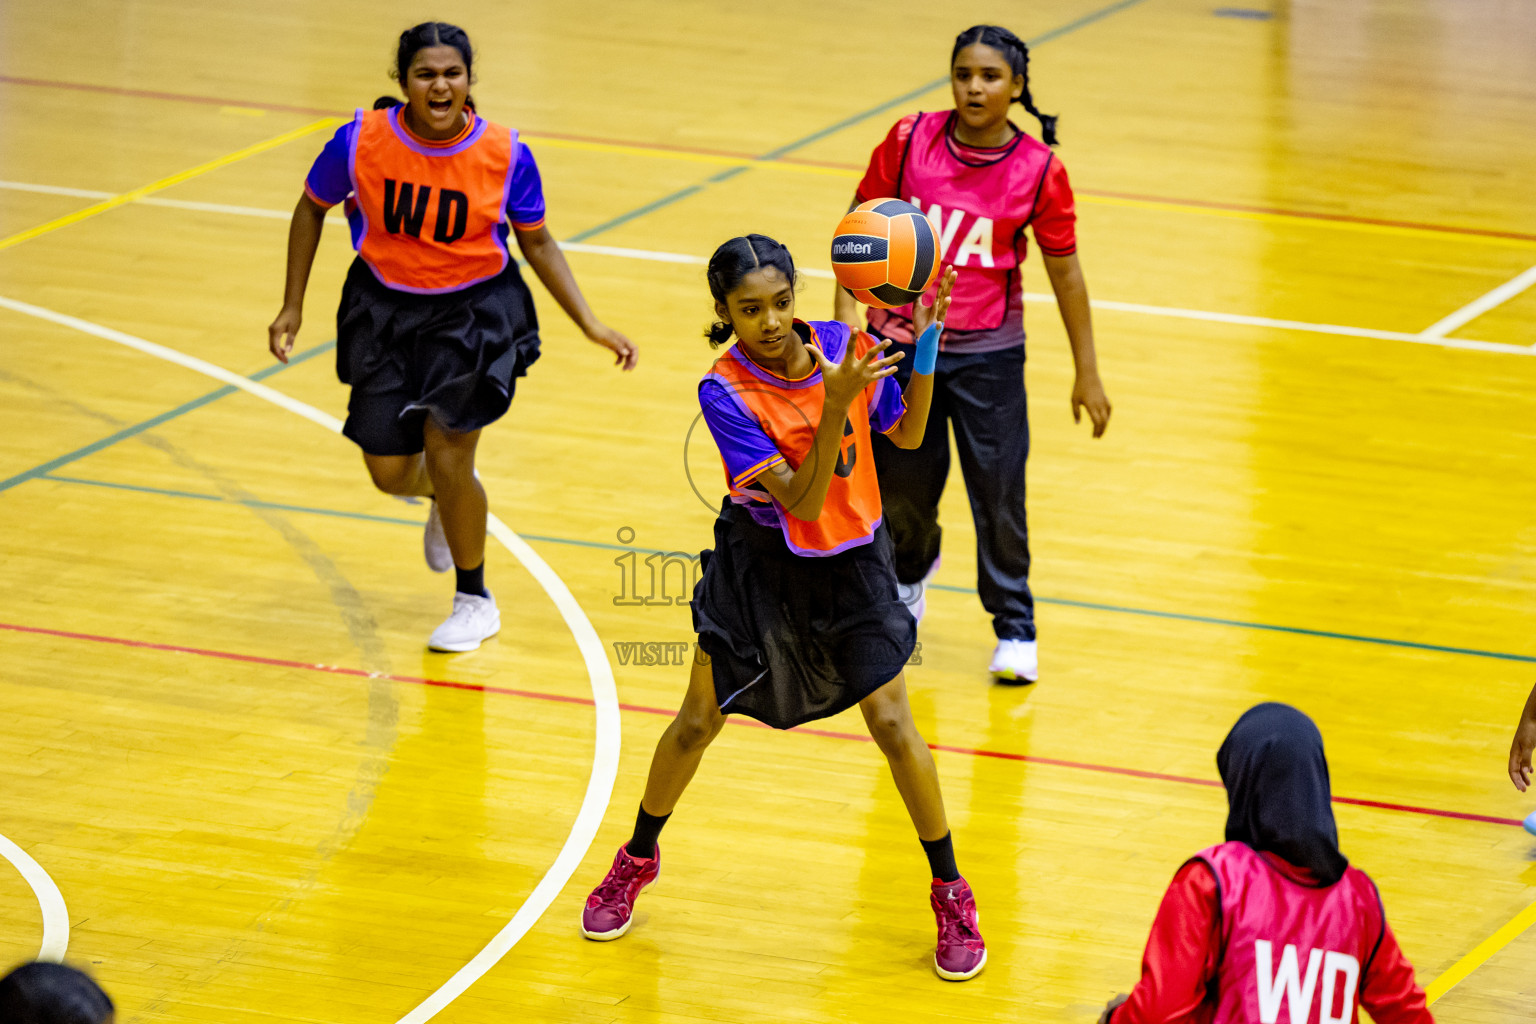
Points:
x=844, y=379
x=626, y=353
x=924, y=314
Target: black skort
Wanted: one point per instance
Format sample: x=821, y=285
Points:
x=792, y=639
x=455, y=357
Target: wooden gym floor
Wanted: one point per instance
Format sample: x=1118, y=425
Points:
x=260, y=798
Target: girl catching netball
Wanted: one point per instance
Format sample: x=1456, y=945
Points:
x=981, y=181
x=435, y=323
x=796, y=608
x=1275, y=914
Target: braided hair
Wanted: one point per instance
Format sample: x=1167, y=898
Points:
x=1017, y=54
x=419, y=37
x=733, y=261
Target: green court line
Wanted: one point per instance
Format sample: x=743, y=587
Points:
x=833, y=129
x=1270, y=627
x=1208, y=620
x=155, y=421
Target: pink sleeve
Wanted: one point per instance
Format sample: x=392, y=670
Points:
x=1181, y=955
x=1389, y=992
x=879, y=181
x=1054, y=220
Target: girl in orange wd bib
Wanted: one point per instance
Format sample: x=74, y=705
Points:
x=796, y=608
x=435, y=324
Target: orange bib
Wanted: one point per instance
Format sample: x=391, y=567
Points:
x=789, y=413
x=431, y=215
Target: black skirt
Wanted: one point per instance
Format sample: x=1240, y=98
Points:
x=455, y=357
x=793, y=639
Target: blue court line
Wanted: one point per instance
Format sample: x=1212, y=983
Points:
x=367, y=517
x=833, y=129
x=1207, y=620
x=907, y=97
x=155, y=421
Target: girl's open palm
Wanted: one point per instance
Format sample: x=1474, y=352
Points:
x=923, y=314
x=844, y=379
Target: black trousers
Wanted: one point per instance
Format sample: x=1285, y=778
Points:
x=982, y=395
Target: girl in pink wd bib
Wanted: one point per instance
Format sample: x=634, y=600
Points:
x=1274, y=924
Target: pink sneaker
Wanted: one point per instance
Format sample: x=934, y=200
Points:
x=611, y=907
x=961, y=952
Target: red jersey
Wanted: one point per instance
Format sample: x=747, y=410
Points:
x=980, y=202
x=760, y=419
x=1245, y=938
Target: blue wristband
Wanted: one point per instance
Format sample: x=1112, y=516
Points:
x=928, y=348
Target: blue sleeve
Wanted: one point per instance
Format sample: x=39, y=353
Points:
x=329, y=180
x=886, y=404
x=745, y=447
x=525, y=195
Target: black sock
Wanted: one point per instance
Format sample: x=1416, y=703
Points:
x=471, y=581
x=941, y=858
x=647, y=830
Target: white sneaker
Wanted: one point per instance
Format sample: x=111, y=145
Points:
x=474, y=619
x=434, y=543
x=915, y=595
x=1015, y=661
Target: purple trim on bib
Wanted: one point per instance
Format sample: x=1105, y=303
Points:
x=405, y=137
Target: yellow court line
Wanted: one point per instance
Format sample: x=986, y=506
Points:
x=164, y=183
x=1475, y=959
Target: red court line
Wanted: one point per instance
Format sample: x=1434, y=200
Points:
x=178, y=97
x=452, y=684
x=114, y=90
x=1342, y=218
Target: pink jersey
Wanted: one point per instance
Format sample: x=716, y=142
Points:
x=1294, y=954
x=980, y=201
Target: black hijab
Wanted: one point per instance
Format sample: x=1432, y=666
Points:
x=1277, y=789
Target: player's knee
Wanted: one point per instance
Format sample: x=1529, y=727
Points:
x=888, y=727
x=449, y=467
x=694, y=730
x=388, y=477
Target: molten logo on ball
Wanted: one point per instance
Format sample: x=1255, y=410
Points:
x=886, y=253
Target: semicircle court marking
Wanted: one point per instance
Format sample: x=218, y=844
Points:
x=605, y=754
x=49, y=899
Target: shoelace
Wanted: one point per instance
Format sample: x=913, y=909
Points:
x=953, y=911
x=615, y=885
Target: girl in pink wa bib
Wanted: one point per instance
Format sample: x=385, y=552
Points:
x=1274, y=923
x=982, y=182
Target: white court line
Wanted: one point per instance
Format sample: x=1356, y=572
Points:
x=1477, y=307
x=1425, y=337
x=49, y=899
x=174, y=204
x=605, y=754
x=1298, y=325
